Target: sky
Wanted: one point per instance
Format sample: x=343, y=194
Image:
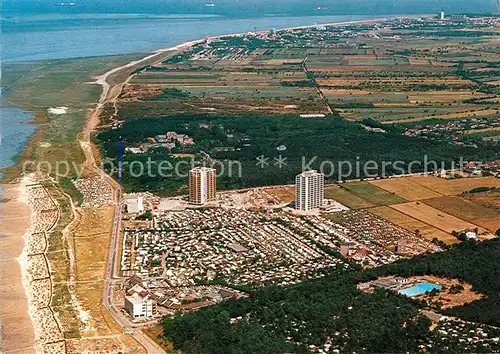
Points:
x=244, y=8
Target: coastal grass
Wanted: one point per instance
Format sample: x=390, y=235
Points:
x=59, y=263
x=57, y=253
x=62, y=304
x=91, y=235
x=38, y=86
x=68, y=186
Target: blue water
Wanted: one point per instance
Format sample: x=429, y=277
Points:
x=15, y=131
x=420, y=289
x=45, y=36
x=251, y=8
x=49, y=36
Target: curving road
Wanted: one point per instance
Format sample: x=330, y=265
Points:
x=111, y=91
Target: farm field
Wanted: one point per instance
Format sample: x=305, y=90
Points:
x=405, y=221
x=434, y=217
x=479, y=131
x=410, y=202
x=408, y=79
x=443, y=96
x=403, y=113
x=363, y=96
x=361, y=195
x=215, y=78
x=468, y=114
x=231, y=96
x=397, y=83
x=489, y=218
x=372, y=194
x=454, y=186
x=490, y=199
x=405, y=188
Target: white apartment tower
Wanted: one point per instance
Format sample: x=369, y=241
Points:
x=138, y=305
x=202, y=185
x=135, y=204
x=309, y=190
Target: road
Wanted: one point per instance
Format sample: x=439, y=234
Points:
x=109, y=95
x=110, y=280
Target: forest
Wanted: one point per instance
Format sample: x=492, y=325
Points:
x=286, y=320
x=329, y=144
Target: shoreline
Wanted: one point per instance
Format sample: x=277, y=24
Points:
x=11, y=172
x=368, y=18
x=23, y=257
x=37, y=324
x=102, y=79
x=15, y=310
x=26, y=197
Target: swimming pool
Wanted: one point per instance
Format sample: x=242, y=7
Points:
x=420, y=289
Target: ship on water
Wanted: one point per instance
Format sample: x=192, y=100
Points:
x=210, y=4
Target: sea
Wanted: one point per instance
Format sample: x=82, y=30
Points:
x=15, y=129
x=28, y=37
x=55, y=36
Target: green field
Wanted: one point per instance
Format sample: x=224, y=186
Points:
x=36, y=87
x=346, y=198
x=60, y=83
x=255, y=93
x=389, y=113
x=372, y=194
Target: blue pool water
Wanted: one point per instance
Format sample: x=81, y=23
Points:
x=420, y=289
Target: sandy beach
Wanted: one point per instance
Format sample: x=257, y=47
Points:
x=17, y=334
x=28, y=321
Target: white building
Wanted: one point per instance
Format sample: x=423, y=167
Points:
x=441, y=15
x=471, y=235
x=312, y=116
x=134, y=204
x=138, y=303
x=309, y=190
